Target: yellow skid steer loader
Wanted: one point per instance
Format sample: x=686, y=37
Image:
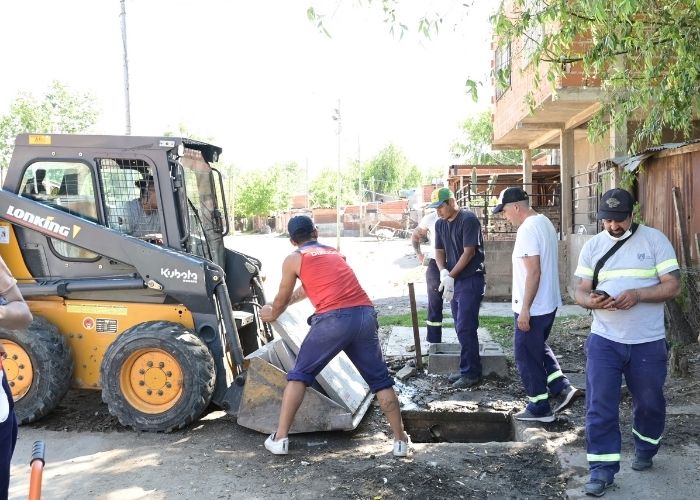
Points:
x=117, y=244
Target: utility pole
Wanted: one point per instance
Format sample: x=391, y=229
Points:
x=127, y=104
x=336, y=117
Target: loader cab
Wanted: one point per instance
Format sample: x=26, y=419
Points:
x=164, y=196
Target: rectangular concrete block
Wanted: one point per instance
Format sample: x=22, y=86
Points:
x=444, y=359
x=406, y=372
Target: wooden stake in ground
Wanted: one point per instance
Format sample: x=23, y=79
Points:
x=414, y=320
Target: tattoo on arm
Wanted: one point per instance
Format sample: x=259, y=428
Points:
x=416, y=245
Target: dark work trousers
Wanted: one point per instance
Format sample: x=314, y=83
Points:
x=434, y=321
x=537, y=365
x=8, y=438
x=469, y=292
x=644, y=368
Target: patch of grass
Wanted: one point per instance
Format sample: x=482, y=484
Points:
x=500, y=328
x=404, y=319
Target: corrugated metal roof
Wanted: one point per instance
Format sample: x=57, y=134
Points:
x=632, y=163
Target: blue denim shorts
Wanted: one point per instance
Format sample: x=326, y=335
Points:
x=352, y=330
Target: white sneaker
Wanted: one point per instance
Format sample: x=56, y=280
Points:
x=280, y=447
x=401, y=448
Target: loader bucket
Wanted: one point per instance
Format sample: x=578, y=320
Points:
x=336, y=401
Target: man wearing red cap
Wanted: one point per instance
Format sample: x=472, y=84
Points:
x=625, y=274
x=344, y=320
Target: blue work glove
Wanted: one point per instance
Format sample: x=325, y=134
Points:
x=447, y=285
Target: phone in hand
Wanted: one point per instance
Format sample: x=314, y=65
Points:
x=601, y=292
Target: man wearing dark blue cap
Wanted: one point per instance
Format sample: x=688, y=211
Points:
x=627, y=294
x=536, y=297
x=459, y=254
x=344, y=320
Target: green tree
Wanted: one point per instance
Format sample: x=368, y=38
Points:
x=323, y=189
x=287, y=183
x=263, y=192
x=390, y=171
x=59, y=111
x=475, y=145
x=256, y=194
x=644, y=53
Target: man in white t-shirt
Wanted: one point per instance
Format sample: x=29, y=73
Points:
x=628, y=336
x=426, y=227
x=536, y=297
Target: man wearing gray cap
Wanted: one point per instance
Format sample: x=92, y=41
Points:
x=625, y=274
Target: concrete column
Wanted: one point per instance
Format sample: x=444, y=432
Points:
x=618, y=147
x=566, y=169
x=527, y=171
x=618, y=140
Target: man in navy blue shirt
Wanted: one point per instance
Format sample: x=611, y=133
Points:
x=459, y=254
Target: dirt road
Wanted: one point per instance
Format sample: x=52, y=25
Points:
x=89, y=455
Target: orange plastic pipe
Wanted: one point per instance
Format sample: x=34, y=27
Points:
x=35, y=480
x=37, y=465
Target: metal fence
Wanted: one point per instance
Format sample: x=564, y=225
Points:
x=482, y=197
x=586, y=189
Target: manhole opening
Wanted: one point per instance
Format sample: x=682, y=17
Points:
x=458, y=426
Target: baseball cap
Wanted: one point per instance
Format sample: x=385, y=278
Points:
x=440, y=196
x=510, y=195
x=300, y=225
x=616, y=204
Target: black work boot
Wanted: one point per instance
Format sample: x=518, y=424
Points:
x=640, y=463
x=596, y=487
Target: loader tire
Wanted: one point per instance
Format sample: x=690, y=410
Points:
x=157, y=376
x=39, y=368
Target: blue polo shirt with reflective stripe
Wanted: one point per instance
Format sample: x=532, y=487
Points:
x=453, y=236
x=636, y=264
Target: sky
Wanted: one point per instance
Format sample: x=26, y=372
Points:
x=257, y=77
